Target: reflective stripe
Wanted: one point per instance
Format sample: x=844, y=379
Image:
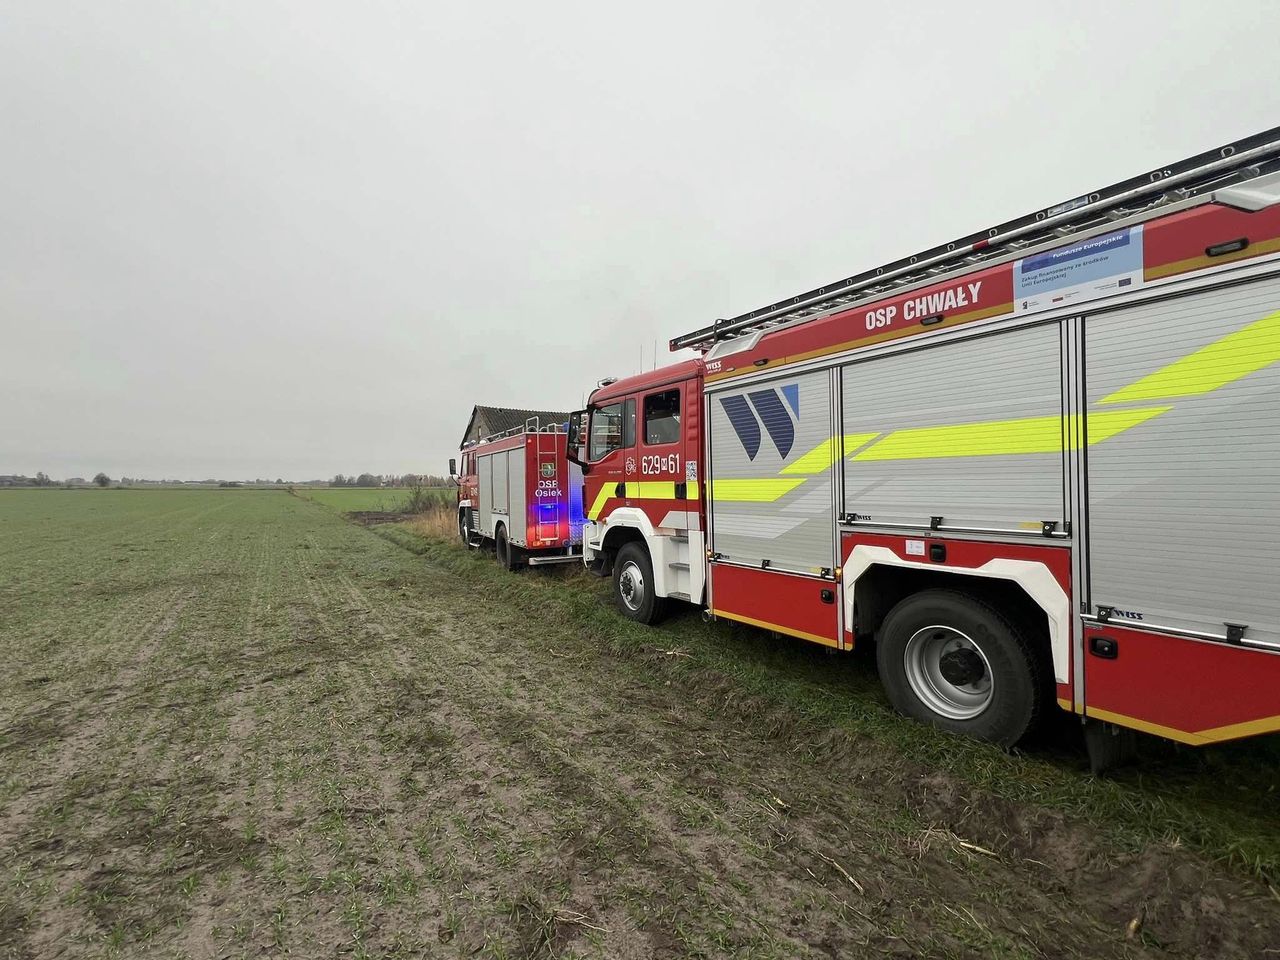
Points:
x=754, y=490
x=642, y=490
x=1195, y=263
x=1002, y=437
x=1232, y=731
x=765, y=624
x=1221, y=362
x=653, y=490
x=597, y=505
x=824, y=454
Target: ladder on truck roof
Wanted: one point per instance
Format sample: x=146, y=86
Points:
x=1227, y=165
x=531, y=425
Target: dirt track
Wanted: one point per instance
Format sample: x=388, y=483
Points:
x=288, y=735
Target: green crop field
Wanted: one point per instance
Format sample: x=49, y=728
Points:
x=236, y=724
x=355, y=499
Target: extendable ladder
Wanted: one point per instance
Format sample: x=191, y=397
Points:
x=1196, y=176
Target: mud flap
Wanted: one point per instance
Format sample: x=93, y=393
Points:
x=1109, y=746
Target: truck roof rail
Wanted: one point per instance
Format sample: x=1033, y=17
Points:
x=1195, y=176
x=531, y=425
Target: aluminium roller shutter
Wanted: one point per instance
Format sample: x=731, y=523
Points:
x=1184, y=506
x=970, y=431
x=769, y=494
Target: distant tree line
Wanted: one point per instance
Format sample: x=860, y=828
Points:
x=389, y=480
x=41, y=479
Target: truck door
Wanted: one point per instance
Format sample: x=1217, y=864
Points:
x=610, y=441
x=661, y=455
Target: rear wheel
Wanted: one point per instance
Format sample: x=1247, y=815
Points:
x=953, y=661
x=506, y=553
x=633, y=586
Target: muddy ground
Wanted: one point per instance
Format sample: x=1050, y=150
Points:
x=236, y=725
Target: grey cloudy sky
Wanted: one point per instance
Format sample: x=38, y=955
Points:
x=265, y=239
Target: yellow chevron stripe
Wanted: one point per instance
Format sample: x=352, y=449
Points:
x=644, y=490
x=1002, y=437
x=754, y=490
x=825, y=454
x=1215, y=365
x=1232, y=731
x=597, y=505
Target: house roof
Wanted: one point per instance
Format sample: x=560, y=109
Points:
x=486, y=421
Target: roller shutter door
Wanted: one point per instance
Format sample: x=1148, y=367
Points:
x=969, y=431
x=1184, y=505
x=769, y=493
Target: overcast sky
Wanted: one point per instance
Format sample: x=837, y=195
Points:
x=262, y=239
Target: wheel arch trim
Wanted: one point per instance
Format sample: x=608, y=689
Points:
x=1035, y=578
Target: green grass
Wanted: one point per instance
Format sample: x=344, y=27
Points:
x=234, y=724
x=352, y=499
x=1222, y=800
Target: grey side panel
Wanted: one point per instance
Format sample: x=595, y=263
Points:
x=916, y=474
x=500, y=503
x=760, y=510
x=484, y=469
x=1184, y=507
x=516, y=460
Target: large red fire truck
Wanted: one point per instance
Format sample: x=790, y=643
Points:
x=1037, y=464
x=518, y=493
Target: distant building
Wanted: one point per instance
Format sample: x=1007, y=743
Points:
x=486, y=421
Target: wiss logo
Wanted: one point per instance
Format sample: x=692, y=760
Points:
x=746, y=412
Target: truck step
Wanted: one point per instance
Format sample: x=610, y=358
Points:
x=679, y=538
x=678, y=565
x=679, y=596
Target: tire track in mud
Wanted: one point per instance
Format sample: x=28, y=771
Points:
x=758, y=846
x=91, y=755
x=922, y=871
x=506, y=746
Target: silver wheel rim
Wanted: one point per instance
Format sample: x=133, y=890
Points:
x=631, y=585
x=925, y=666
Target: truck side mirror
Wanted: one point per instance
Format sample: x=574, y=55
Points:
x=453, y=467
x=576, y=439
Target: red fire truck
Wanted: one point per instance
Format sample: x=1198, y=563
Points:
x=518, y=493
x=1039, y=464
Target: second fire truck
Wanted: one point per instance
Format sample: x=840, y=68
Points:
x=1039, y=465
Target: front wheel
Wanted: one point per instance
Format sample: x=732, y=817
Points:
x=633, y=586
x=953, y=661
x=464, y=532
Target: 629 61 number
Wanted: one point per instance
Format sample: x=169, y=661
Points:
x=669, y=463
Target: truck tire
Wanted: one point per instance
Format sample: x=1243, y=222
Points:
x=633, y=585
x=953, y=661
x=464, y=533
x=504, y=551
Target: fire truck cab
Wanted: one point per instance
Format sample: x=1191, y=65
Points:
x=640, y=454
x=1039, y=464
